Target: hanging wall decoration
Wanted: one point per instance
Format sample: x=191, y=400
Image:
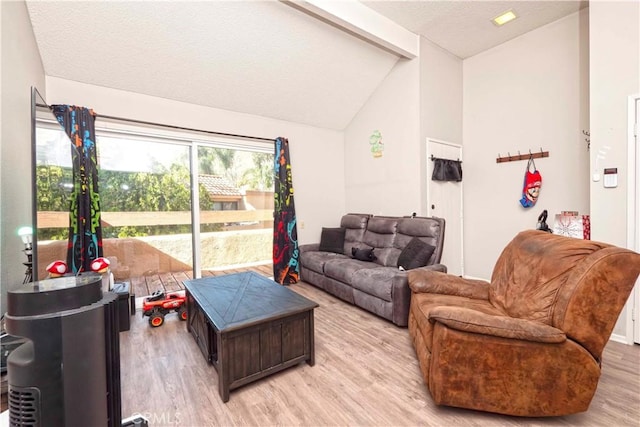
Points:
x=85, y=231
x=377, y=147
x=531, y=187
x=286, y=269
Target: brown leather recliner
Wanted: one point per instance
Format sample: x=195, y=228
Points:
x=530, y=342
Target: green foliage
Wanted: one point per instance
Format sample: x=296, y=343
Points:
x=159, y=191
x=53, y=184
x=218, y=161
x=261, y=176
x=123, y=192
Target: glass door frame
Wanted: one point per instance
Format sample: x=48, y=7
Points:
x=188, y=139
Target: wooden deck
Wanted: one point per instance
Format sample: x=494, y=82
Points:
x=169, y=282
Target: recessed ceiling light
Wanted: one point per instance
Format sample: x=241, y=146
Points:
x=503, y=18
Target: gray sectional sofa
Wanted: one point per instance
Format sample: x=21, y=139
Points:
x=343, y=268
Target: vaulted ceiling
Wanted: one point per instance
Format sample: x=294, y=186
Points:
x=257, y=57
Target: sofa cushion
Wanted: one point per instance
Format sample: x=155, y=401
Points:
x=377, y=281
x=380, y=234
x=355, y=226
x=315, y=260
x=416, y=254
x=429, y=230
x=423, y=304
x=332, y=240
x=342, y=269
x=363, y=254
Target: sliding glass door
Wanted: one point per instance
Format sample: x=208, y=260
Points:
x=145, y=195
x=146, y=187
x=235, y=209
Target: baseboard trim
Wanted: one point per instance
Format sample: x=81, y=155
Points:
x=622, y=339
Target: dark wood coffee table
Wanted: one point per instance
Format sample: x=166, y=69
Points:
x=248, y=327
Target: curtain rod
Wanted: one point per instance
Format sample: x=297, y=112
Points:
x=143, y=122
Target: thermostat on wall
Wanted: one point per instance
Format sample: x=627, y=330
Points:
x=610, y=177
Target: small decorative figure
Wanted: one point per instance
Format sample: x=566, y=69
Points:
x=375, y=140
x=57, y=269
x=100, y=265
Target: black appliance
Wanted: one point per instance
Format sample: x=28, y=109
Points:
x=68, y=372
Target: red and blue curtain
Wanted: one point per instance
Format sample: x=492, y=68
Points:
x=85, y=231
x=286, y=269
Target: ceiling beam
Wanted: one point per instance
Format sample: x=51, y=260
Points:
x=363, y=22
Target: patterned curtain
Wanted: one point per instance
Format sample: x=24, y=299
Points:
x=85, y=231
x=286, y=269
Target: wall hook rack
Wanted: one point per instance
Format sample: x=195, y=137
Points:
x=433, y=158
x=516, y=157
x=587, y=139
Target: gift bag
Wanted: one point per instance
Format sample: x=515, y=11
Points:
x=578, y=226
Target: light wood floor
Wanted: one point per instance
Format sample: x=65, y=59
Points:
x=142, y=286
x=366, y=374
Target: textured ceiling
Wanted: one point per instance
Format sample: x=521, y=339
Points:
x=262, y=58
x=464, y=28
x=257, y=57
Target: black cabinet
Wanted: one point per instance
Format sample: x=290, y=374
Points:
x=67, y=373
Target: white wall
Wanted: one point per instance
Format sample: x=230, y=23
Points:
x=316, y=154
x=440, y=103
x=386, y=185
x=614, y=29
x=528, y=93
x=615, y=74
x=21, y=69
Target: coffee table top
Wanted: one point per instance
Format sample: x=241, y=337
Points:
x=237, y=300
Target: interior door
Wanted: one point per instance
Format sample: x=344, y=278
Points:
x=444, y=200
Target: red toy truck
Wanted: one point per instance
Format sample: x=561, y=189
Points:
x=158, y=304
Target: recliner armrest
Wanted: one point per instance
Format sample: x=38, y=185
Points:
x=469, y=320
x=425, y=280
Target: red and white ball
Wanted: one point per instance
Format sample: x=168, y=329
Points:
x=57, y=268
x=100, y=265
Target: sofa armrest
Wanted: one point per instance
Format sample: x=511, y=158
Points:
x=424, y=280
x=473, y=321
x=309, y=247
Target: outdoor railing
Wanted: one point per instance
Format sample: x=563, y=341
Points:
x=49, y=219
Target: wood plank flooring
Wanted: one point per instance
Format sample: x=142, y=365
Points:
x=366, y=374
x=168, y=282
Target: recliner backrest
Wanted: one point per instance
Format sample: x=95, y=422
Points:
x=380, y=235
x=428, y=229
x=389, y=235
x=355, y=225
x=531, y=270
x=578, y=286
x=590, y=302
